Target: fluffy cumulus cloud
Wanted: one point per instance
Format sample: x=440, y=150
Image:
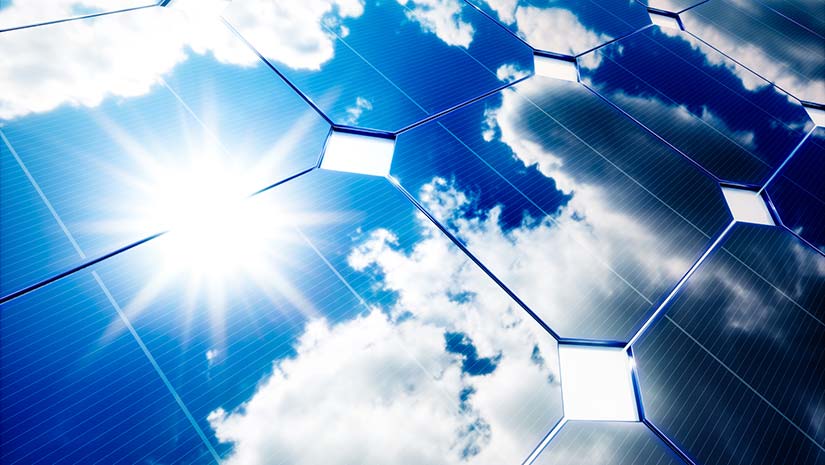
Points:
x=552, y=29
x=386, y=387
x=596, y=233
x=84, y=62
x=796, y=67
x=442, y=18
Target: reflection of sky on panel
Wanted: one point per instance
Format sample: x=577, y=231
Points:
x=799, y=191
x=750, y=316
x=787, y=50
x=590, y=228
x=567, y=27
x=734, y=124
x=113, y=135
x=67, y=397
x=20, y=13
x=606, y=443
x=437, y=362
x=381, y=65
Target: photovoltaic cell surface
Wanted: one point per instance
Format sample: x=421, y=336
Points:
x=183, y=280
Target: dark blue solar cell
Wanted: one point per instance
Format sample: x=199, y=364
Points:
x=585, y=216
x=383, y=65
x=782, y=41
x=710, y=369
x=124, y=140
x=72, y=392
x=734, y=124
x=606, y=443
x=567, y=27
x=798, y=192
x=269, y=332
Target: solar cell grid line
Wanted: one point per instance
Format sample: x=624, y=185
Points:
x=75, y=18
x=122, y=316
x=758, y=113
x=731, y=395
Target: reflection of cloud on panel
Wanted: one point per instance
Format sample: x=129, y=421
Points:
x=297, y=34
x=595, y=219
x=362, y=378
x=552, y=29
x=773, y=46
x=68, y=64
x=354, y=112
x=442, y=18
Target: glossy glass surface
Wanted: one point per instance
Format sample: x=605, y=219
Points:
x=798, y=193
x=729, y=121
x=345, y=231
x=382, y=65
x=121, y=140
x=566, y=212
x=360, y=332
x=566, y=27
x=782, y=41
x=607, y=443
x=750, y=316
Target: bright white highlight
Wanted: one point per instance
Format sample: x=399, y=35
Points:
x=747, y=206
x=555, y=68
x=360, y=154
x=817, y=115
x=664, y=20
x=596, y=384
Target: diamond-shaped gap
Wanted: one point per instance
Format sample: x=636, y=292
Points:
x=663, y=19
x=747, y=206
x=816, y=112
x=360, y=153
x=555, y=67
x=597, y=383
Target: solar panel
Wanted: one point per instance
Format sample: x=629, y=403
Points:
x=412, y=232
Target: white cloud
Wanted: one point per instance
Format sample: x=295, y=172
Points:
x=82, y=63
x=596, y=230
x=552, y=29
x=382, y=388
x=354, y=112
x=293, y=33
x=17, y=13
x=509, y=72
x=792, y=59
x=442, y=18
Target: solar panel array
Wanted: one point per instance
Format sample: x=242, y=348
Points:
x=185, y=279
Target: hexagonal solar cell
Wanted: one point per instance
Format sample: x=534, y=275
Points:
x=121, y=141
x=750, y=316
x=785, y=46
x=798, y=192
x=566, y=27
x=382, y=65
x=330, y=295
x=717, y=113
x=434, y=232
x=583, y=215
